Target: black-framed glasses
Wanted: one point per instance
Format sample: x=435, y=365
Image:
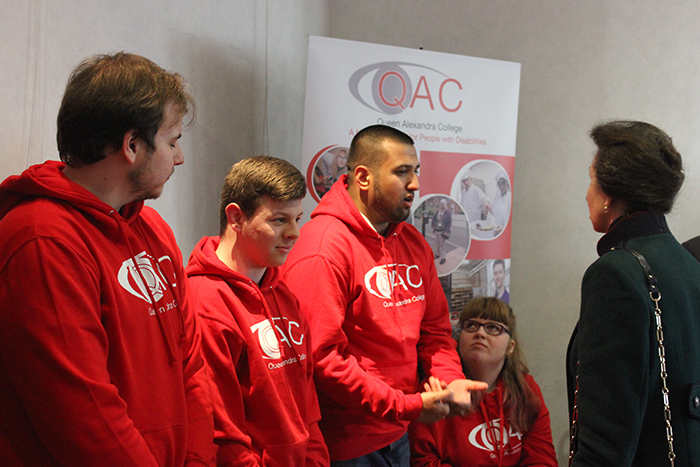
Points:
x=490, y=328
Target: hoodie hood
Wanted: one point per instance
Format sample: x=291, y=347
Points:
x=47, y=180
x=338, y=203
x=375, y=308
x=257, y=350
x=101, y=323
x=204, y=262
x=263, y=300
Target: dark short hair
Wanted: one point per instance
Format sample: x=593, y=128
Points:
x=108, y=95
x=637, y=164
x=367, y=149
x=251, y=179
x=498, y=261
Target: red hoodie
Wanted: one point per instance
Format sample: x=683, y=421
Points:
x=376, y=309
x=91, y=371
x=265, y=405
x=468, y=440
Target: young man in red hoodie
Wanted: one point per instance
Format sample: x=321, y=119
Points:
x=99, y=351
x=256, y=342
x=366, y=280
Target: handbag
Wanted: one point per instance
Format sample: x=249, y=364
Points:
x=655, y=296
x=445, y=235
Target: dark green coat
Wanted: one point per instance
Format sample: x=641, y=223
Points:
x=620, y=406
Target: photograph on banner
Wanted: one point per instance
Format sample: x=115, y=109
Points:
x=483, y=190
x=482, y=184
x=443, y=223
x=328, y=166
x=476, y=278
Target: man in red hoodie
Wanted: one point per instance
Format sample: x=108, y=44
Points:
x=99, y=351
x=256, y=343
x=366, y=280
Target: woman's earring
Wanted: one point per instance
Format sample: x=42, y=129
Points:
x=605, y=207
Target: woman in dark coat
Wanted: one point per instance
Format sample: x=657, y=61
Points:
x=619, y=407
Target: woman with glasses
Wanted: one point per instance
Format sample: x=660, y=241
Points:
x=509, y=423
x=615, y=383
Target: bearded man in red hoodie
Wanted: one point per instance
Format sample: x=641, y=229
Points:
x=99, y=351
x=256, y=343
x=367, y=283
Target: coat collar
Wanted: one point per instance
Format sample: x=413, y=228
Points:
x=626, y=228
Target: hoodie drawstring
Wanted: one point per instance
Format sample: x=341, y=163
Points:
x=498, y=444
x=268, y=315
x=178, y=308
x=161, y=325
x=389, y=261
x=277, y=305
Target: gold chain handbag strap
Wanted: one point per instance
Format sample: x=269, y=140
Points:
x=655, y=296
x=574, y=422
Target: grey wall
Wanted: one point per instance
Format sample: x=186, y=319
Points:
x=581, y=62
x=233, y=53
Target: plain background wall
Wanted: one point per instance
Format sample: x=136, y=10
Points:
x=582, y=62
x=236, y=55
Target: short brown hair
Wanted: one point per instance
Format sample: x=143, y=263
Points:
x=497, y=262
x=108, y=95
x=367, y=148
x=251, y=179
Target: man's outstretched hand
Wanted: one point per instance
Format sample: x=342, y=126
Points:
x=435, y=401
x=441, y=399
x=461, y=394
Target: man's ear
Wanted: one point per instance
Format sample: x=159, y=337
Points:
x=235, y=216
x=362, y=176
x=131, y=146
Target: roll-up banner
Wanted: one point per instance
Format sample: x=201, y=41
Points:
x=462, y=113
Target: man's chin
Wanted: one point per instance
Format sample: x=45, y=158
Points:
x=396, y=216
x=405, y=214
x=146, y=195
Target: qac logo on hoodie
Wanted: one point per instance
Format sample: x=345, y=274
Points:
x=381, y=280
x=142, y=277
x=269, y=342
x=482, y=437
